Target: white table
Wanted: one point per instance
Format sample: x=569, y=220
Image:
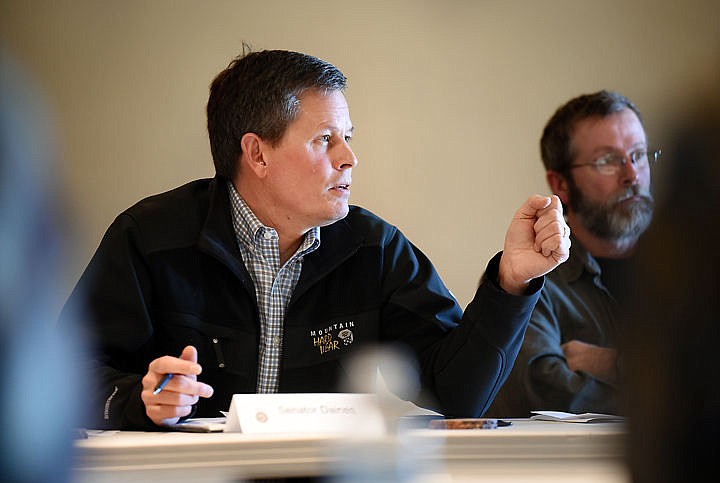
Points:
x=528, y=450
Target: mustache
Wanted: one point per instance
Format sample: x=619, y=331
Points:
x=633, y=191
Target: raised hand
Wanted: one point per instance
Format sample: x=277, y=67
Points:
x=537, y=241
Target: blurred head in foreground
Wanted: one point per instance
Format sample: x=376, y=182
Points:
x=673, y=391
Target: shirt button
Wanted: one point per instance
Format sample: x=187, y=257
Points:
x=268, y=235
x=276, y=341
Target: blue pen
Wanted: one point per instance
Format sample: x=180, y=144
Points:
x=163, y=383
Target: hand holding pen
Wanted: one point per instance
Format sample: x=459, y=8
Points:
x=163, y=383
x=170, y=387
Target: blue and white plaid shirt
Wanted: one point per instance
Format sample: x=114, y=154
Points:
x=274, y=284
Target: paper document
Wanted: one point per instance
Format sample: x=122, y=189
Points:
x=576, y=418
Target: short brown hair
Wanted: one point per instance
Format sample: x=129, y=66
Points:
x=258, y=92
x=555, y=141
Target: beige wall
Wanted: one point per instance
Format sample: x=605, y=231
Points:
x=448, y=97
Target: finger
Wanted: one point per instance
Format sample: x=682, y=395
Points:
x=550, y=223
x=549, y=233
x=179, y=384
x=175, y=401
x=190, y=386
x=556, y=247
x=552, y=209
x=173, y=398
x=162, y=414
x=553, y=245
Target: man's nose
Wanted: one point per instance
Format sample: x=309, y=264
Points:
x=630, y=173
x=345, y=157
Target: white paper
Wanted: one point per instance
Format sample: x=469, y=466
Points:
x=575, y=418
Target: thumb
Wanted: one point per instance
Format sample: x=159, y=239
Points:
x=534, y=204
x=189, y=353
x=538, y=202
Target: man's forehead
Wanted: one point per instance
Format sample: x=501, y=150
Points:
x=596, y=130
x=325, y=110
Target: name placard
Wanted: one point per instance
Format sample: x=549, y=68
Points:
x=305, y=413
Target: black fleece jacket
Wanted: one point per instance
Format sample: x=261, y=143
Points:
x=168, y=273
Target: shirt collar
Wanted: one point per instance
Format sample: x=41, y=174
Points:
x=249, y=230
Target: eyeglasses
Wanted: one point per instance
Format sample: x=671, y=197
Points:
x=612, y=163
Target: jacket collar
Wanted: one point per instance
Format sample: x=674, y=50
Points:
x=217, y=238
x=339, y=242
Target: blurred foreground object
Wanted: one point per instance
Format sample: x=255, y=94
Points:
x=40, y=380
x=673, y=390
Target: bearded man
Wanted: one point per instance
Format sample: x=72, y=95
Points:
x=597, y=161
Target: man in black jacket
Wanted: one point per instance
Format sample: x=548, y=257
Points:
x=265, y=280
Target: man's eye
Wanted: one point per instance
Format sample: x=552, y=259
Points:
x=604, y=161
x=325, y=138
x=608, y=160
x=348, y=139
x=638, y=155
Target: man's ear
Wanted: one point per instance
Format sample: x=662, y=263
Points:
x=253, y=155
x=558, y=185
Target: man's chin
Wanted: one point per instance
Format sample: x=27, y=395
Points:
x=637, y=210
x=634, y=225
x=337, y=215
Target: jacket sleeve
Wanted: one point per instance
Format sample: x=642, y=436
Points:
x=478, y=356
x=547, y=380
x=112, y=304
x=465, y=357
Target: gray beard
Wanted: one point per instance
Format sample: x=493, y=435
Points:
x=614, y=220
